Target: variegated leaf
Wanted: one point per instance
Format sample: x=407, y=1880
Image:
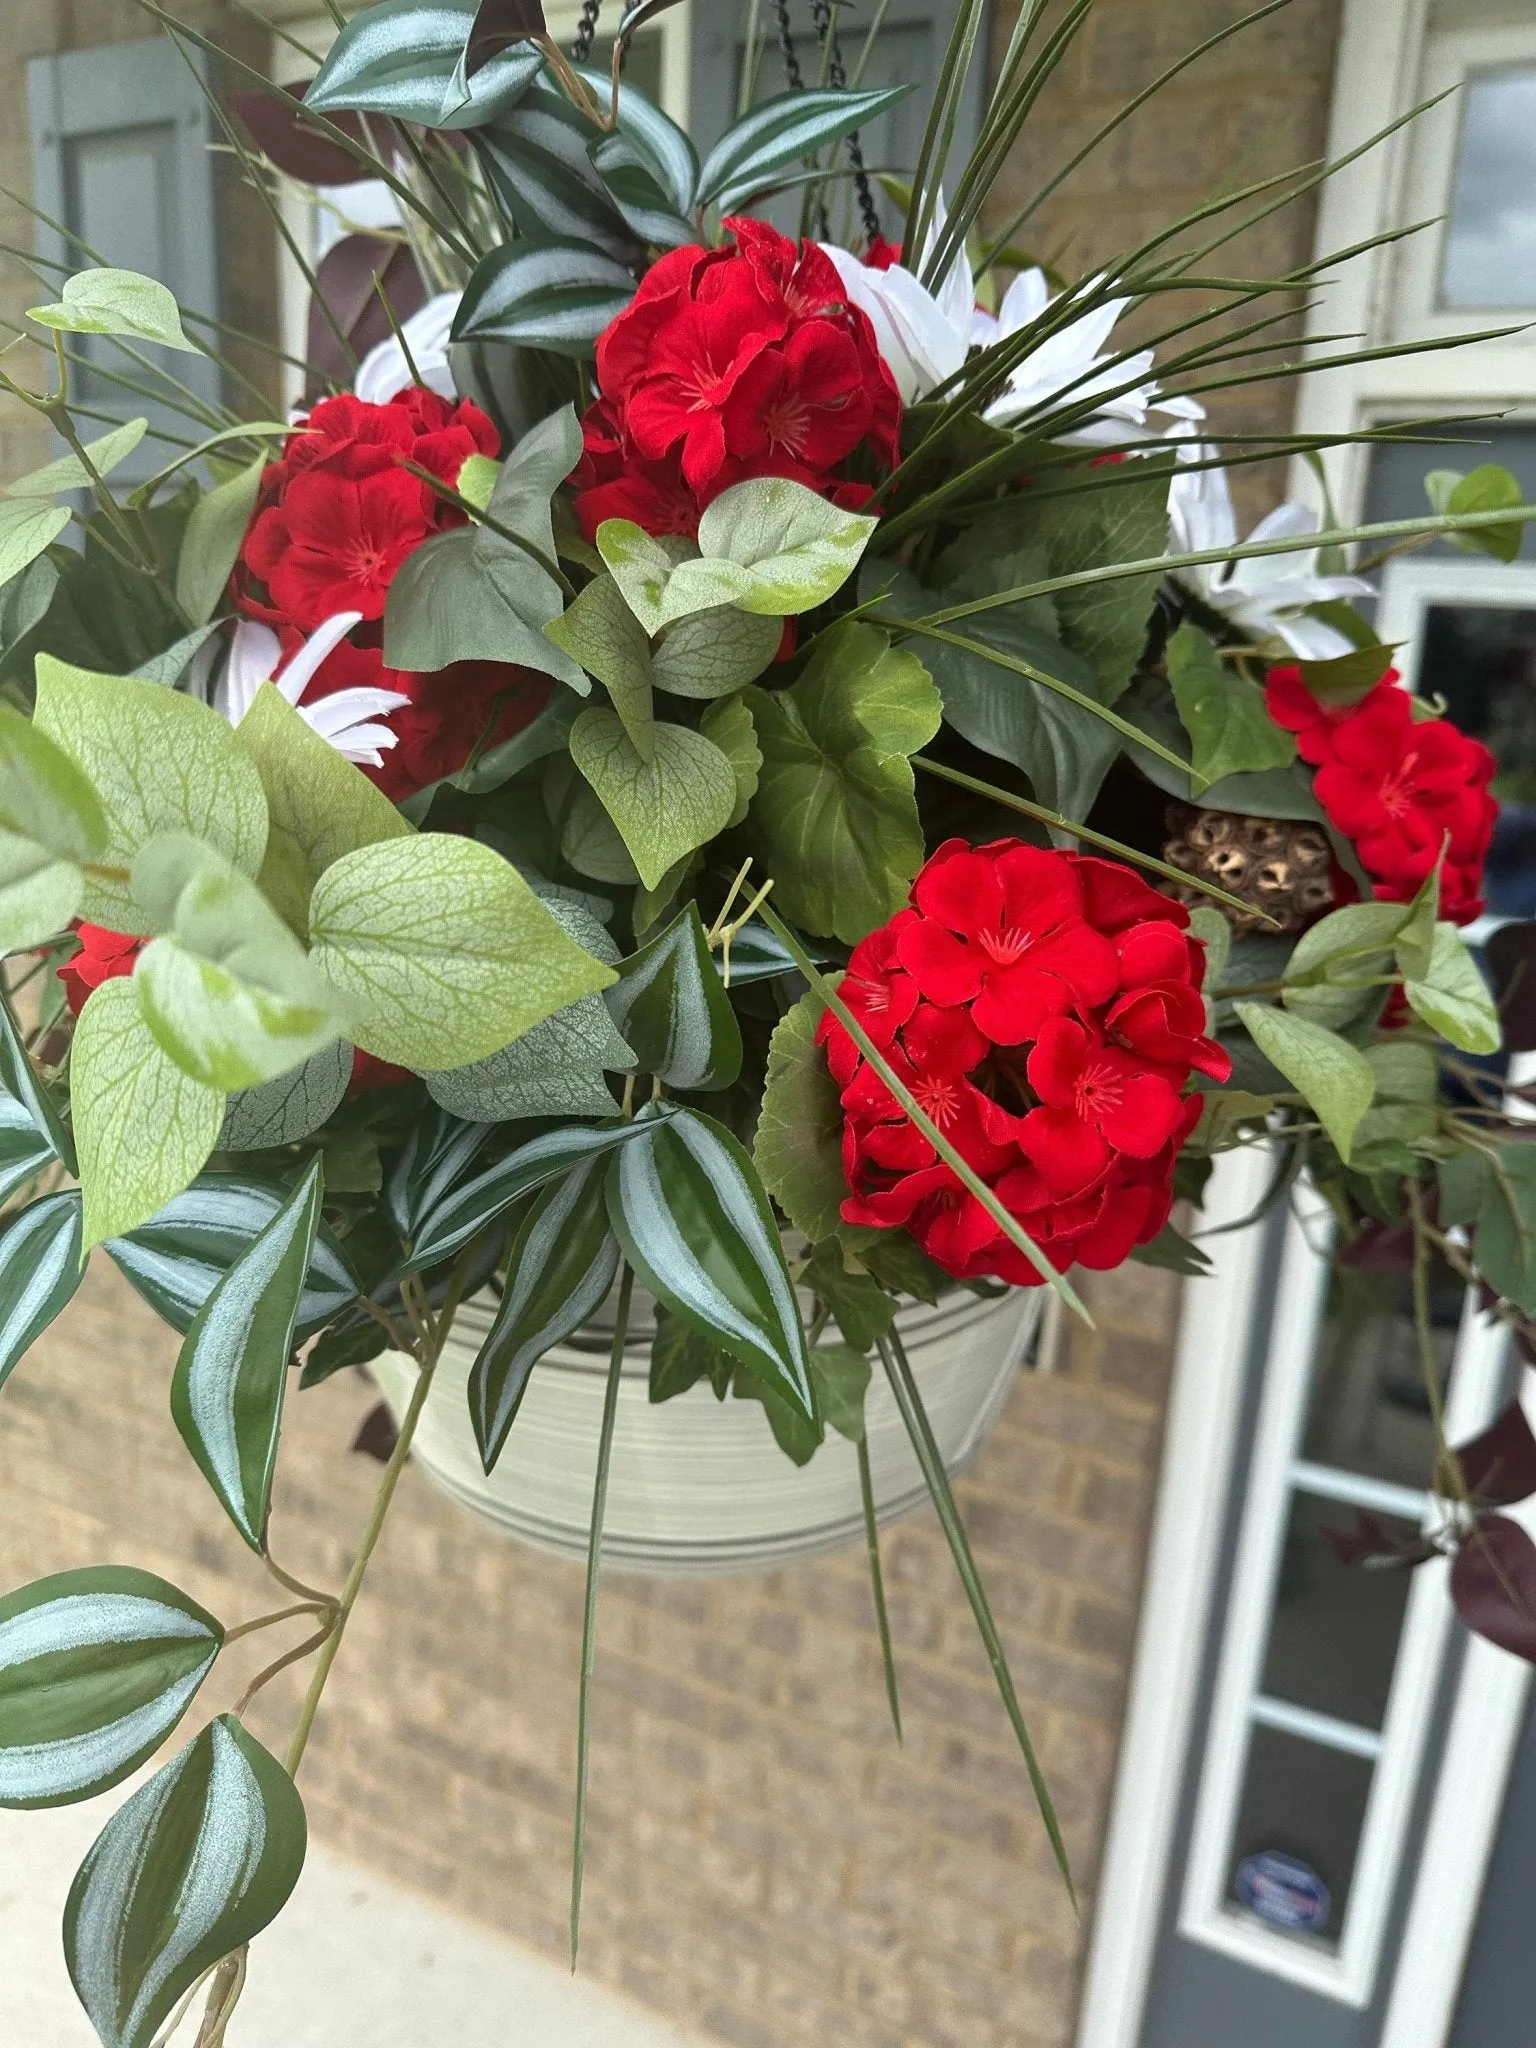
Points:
x=40, y=1268
x=671, y=1005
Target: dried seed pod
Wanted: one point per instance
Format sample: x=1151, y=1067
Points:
x=1281, y=866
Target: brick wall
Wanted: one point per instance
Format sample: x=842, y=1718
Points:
x=764, y=1863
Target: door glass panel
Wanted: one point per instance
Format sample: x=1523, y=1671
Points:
x=1490, y=238
x=1369, y=1412
x=1305, y=1803
x=1333, y=1641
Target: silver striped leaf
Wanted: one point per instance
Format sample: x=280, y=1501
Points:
x=563, y=1262
x=96, y=1669
x=40, y=1268
x=696, y=1225
x=227, y=1390
x=200, y=1860
x=755, y=153
x=19, y=1080
x=671, y=1005
x=400, y=58
x=544, y=292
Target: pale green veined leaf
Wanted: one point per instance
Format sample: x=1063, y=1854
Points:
x=1225, y=715
x=665, y=807
x=441, y=950
x=143, y=1128
x=709, y=654
x=50, y=823
x=1453, y=998
x=122, y=302
x=69, y=473
x=199, y=1861
x=1327, y=1070
x=563, y=1261
x=696, y=1226
x=227, y=1391
x=158, y=762
x=291, y=1107
x=26, y=529
x=40, y=1269
x=601, y=632
x=728, y=722
x=96, y=1669
x=211, y=543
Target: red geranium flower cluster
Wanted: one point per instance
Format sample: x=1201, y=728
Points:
x=733, y=363
x=1399, y=788
x=337, y=516
x=1045, y=1010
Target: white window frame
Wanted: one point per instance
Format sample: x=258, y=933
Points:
x=673, y=29
x=1347, y=1973
x=1411, y=585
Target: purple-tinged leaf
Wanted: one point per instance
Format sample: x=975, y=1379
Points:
x=295, y=145
x=1499, y=1466
x=1493, y=1584
x=1375, y=1543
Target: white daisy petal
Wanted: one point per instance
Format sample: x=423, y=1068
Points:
x=254, y=654
x=317, y=649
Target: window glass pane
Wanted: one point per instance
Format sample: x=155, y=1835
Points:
x=1490, y=238
x=1369, y=1410
x=1305, y=1803
x=1395, y=486
x=1333, y=1640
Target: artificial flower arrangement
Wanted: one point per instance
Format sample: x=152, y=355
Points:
x=752, y=765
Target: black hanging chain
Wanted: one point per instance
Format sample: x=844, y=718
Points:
x=787, y=46
x=586, y=29
x=826, y=26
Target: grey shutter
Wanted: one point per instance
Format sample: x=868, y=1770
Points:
x=120, y=157
x=909, y=48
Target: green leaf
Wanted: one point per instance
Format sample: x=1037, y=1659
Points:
x=159, y=762
x=671, y=1005
x=477, y=480
x=211, y=544
x=1344, y=681
x=563, y=1261
x=227, y=1391
x=798, y=1148
x=544, y=292
x=863, y=1309
x=26, y=529
x=198, y=1862
x=680, y=1358
x=24, y=1150
x=69, y=473
x=1171, y=1252
x=711, y=653
x=642, y=565
x=167, y=669
x=841, y=1377
x=117, y=302
x=40, y=1268
x=799, y=1437
x=536, y=158
x=25, y=602
x=291, y=1107
x=319, y=805
x=557, y=1068
x=467, y=1210
x=1453, y=998
x=835, y=817
x=1340, y=963
x=50, y=822
x=758, y=151
x=474, y=595
x=229, y=992
x=175, y=1260
x=1224, y=714
x=1333, y=1076
x=1104, y=623
x=1207, y=924
x=1505, y=1244
x=728, y=724
x=589, y=839
x=96, y=1669
x=637, y=182
x=1063, y=749
x=1404, y=1072
x=665, y=807
x=1484, y=489
x=143, y=1128
x=400, y=58
x=441, y=949
x=695, y=1224
x=19, y=1080
x=603, y=634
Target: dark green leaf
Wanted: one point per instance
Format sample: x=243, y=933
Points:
x=39, y=1271
x=637, y=185
x=24, y=1151
x=19, y=1080
x=671, y=1005
x=1343, y=681
x=797, y=1436
x=863, y=1310
x=199, y=1861
x=756, y=955
x=896, y=1260
x=1172, y=1252
x=695, y=1224
x=400, y=58
x=536, y=156
x=841, y=1375
x=1505, y=1243
x=681, y=1357
x=544, y=293
x=564, y=1260
x=436, y=1155
x=96, y=1669
x=798, y=1146
x=227, y=1392
x=1484, y=489
x=467, y=1211
x=178, y=1257
x=1229, y=725
x=752, y=153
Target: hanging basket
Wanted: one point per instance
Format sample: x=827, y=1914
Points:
x=700, y=1485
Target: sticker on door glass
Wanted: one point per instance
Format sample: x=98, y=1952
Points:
x=1284, y=1892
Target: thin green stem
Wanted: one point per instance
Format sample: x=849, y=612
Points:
x=482, y=517
x=877, y=1584
x=248, y=1628
x=589, y=1611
